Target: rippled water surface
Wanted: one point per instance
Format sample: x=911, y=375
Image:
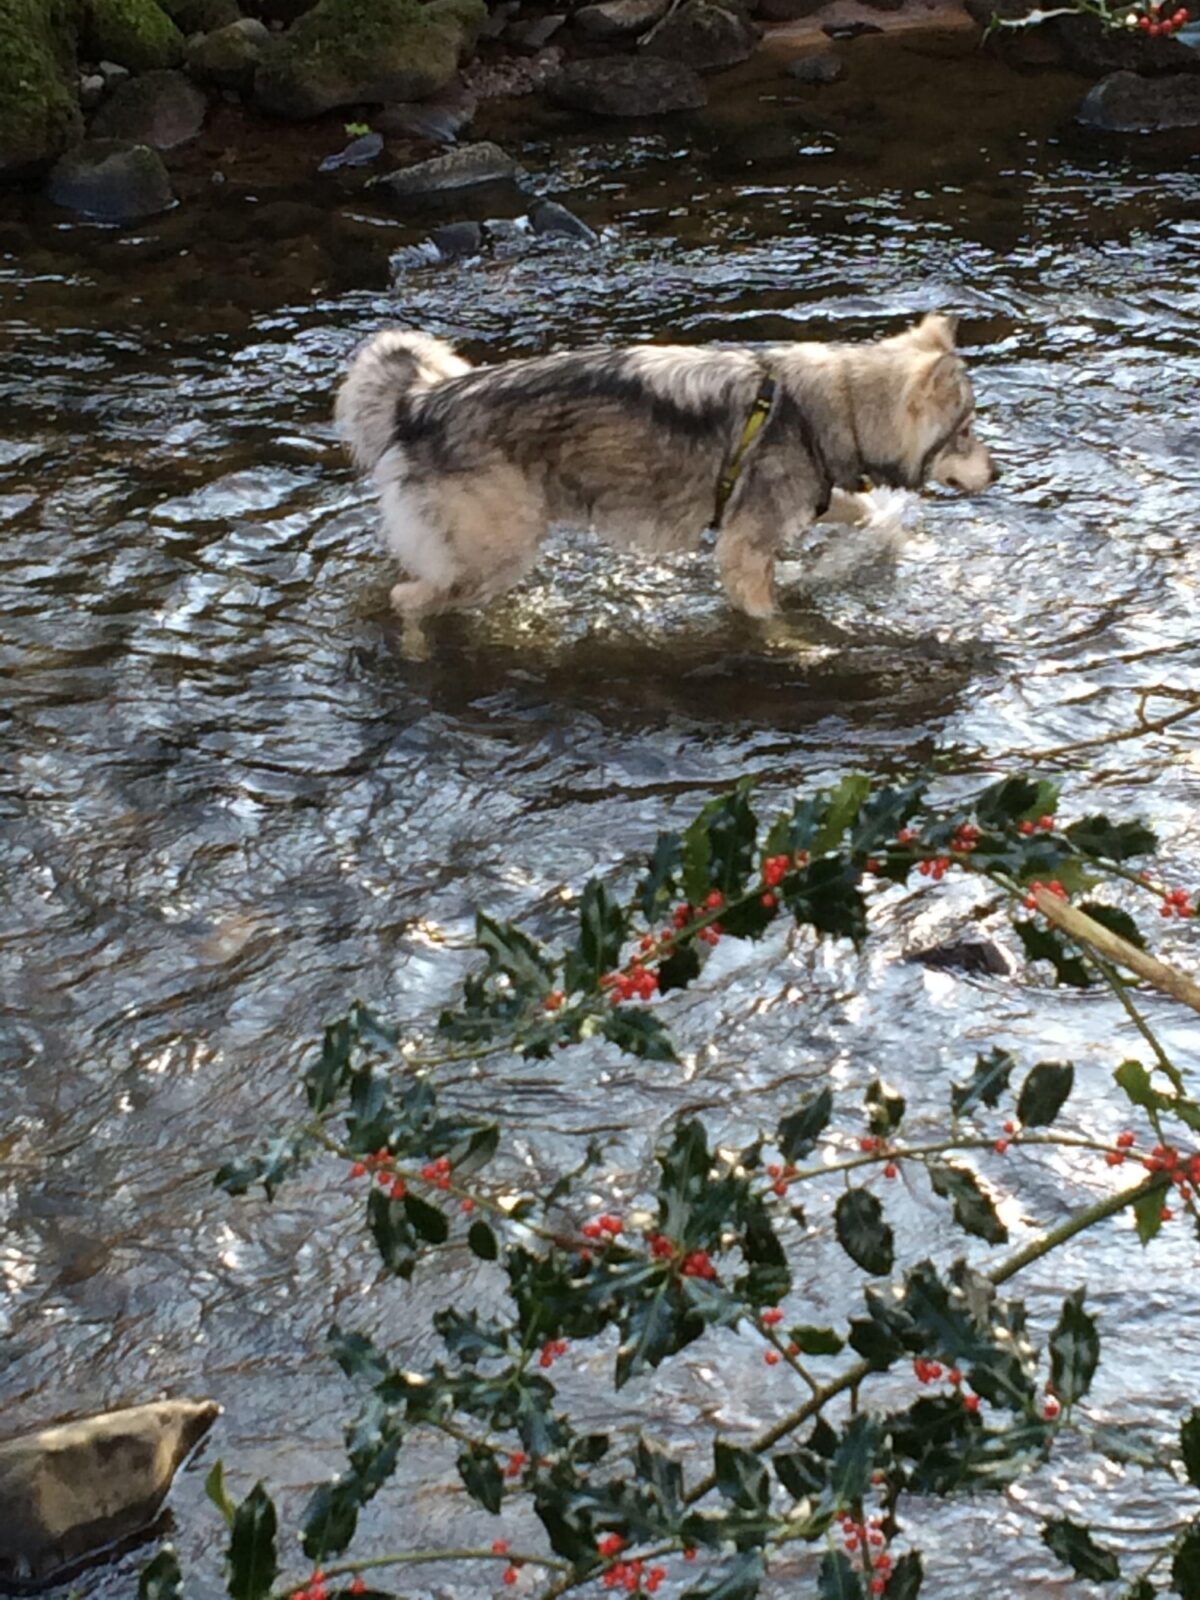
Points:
x=235, y=795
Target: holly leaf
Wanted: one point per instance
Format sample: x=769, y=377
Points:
x=480, y=1472
x=973, y=1210
x=862, y=1233
x=799, y=1132
x=1189, y=1439
x=482, y=1241
x=658, y=888
x=161, y=1579
x=1147, y=1214
x=253, y=1566
x=837, y=1579
x=841, y=811
x=1074, y=1350
x=854, y=1461
x=601, y=935
x=1185, y=1568
x=1044, y=1093
x=988, y=1083
x=1114, y=841
x=1014, y=800
x=428, y=1222
x=510, y=950
x=638, y=1033
x=816, y=1341
x=1047, y=944
x=1072, y=1543
x=662, y=1473
x=737, y=1579
x=741, y=1476
x=1116, y=921
x=885, y=1107
x=214, y=1488
x=905, y=1581
x=331, y=1517
x=327, y=1075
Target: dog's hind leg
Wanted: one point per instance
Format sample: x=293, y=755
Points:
x=746, y=549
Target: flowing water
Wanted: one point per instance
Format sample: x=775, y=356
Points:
x=236, y=794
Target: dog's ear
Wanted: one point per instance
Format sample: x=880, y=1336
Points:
x=941, y=385
x=936, y=330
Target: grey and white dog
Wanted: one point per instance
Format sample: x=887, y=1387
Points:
x=649, y=446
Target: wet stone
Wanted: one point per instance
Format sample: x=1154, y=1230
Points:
x=457, y=239
x=622, y=19
x=466, y=167
x=440, y=119
x=73, y=1489
x=91, y=91
x=358, y=153
x=627, y=87
x=111, y=181
x=1127, y=103
x=704, y=36
x=535, y=34
x=160, y=109
x=817, y=69
x=228, y=57
x=552, y=220
x=979, y=957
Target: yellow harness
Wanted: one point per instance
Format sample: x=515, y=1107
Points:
x=754, y=423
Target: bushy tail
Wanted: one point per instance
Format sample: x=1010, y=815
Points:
x=392, y=364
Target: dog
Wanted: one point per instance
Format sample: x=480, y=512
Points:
x=650, y=446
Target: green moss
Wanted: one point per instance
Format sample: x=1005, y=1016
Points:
x=136, y=33
x=39, y=110
x=348, y=51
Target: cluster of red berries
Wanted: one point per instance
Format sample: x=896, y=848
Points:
x=780, y=1177
x=598, y=1227
x=1183, y=1171
x=934, y=1372
x=1177, y=903
x=1153, y=23
x=637, y=979
x=628, y=1575
x=552, y=1348
x=316, y=1588
x=966, y=837
x=1116, y=1158
x=1011, y=1130
x=775, y=869
x=870, y=1144
x=868, y=1538
x=1053, y=887
x=935, y=867
x=513, y=1570
x=381, y=1165
x=1043, y=825
x=437, y=1172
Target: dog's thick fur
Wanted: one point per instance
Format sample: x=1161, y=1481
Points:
x=475, y=464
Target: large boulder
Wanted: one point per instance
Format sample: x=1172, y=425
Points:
x=1081, y=42
x=229, y=57
x=161, y=109
x=704, y=36
x=70, y=1490
x=201, y=16
x=136, y=34
x=39, y=108
x=1127, y=103
x=622, y=19
x=111, y=181
x=350, y=52
x=624, y=86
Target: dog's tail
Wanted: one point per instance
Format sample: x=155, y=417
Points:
x=391, y=365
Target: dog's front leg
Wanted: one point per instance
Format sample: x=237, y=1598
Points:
x=746, y=561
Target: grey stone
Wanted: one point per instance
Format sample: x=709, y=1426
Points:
x=498, y=18
x=457, y=239
x=535, y=33
x=623, y=19
x=551, y=219
x=70, y=1490
x=824, y=68
x=111, y=181
x=439, y=119
x=982, y=957
x=621, y=86
x=91, y=91
x=228, y=57
x=113, y=73
x=358, y=153
x=704, y=36
x=161, y=109
x=468, y=165
x=1126, y=103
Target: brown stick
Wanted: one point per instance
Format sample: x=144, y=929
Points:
x=1110, y=945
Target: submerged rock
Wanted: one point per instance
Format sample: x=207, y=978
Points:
x=622, y=19
x=705, y=36
x=350, y=52
x=228, y=58
x=554, y=221
x=1127, y=103
x=39, y=112
x=622, y=86
x=979, y=957
x=359, y=152
x=457, y=239
x=73, y=1489
x=825, y=68
x=161, y=109
x=136, y=33
x=463, y=168
x=111, y=181
x=440, y=119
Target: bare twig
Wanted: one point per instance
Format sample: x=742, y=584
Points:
x=1078, y=925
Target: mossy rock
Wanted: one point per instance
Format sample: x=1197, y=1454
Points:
x=137, y=34
x=352, y=52
x=201, y=16
x=39, y=106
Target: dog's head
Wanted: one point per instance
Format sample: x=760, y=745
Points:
x=939, y=411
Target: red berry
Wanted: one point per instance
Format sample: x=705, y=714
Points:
x=510, y=1575
x=771, y=1357
x=1166, y=1214
x=877, y=1585
x=867, y=1144
x=774, y=1170
x=399, y=1189
x=689, y=1554
x=773, y=1317
x=891, y=1170
x=1046, y=824
x=1000, y=1146
x=358, y=1585
x=1124, y=1140
x=769, y=901
x=1050, y=1408
x=357, y=1170
x=500, y=1547
x=955, y=1376
x=1114, y=1158
x=1010, y=1127
x=1027, y=827
x=516, y=1461
x=971, y=1402
x=713, y=899
x=553, y=1000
